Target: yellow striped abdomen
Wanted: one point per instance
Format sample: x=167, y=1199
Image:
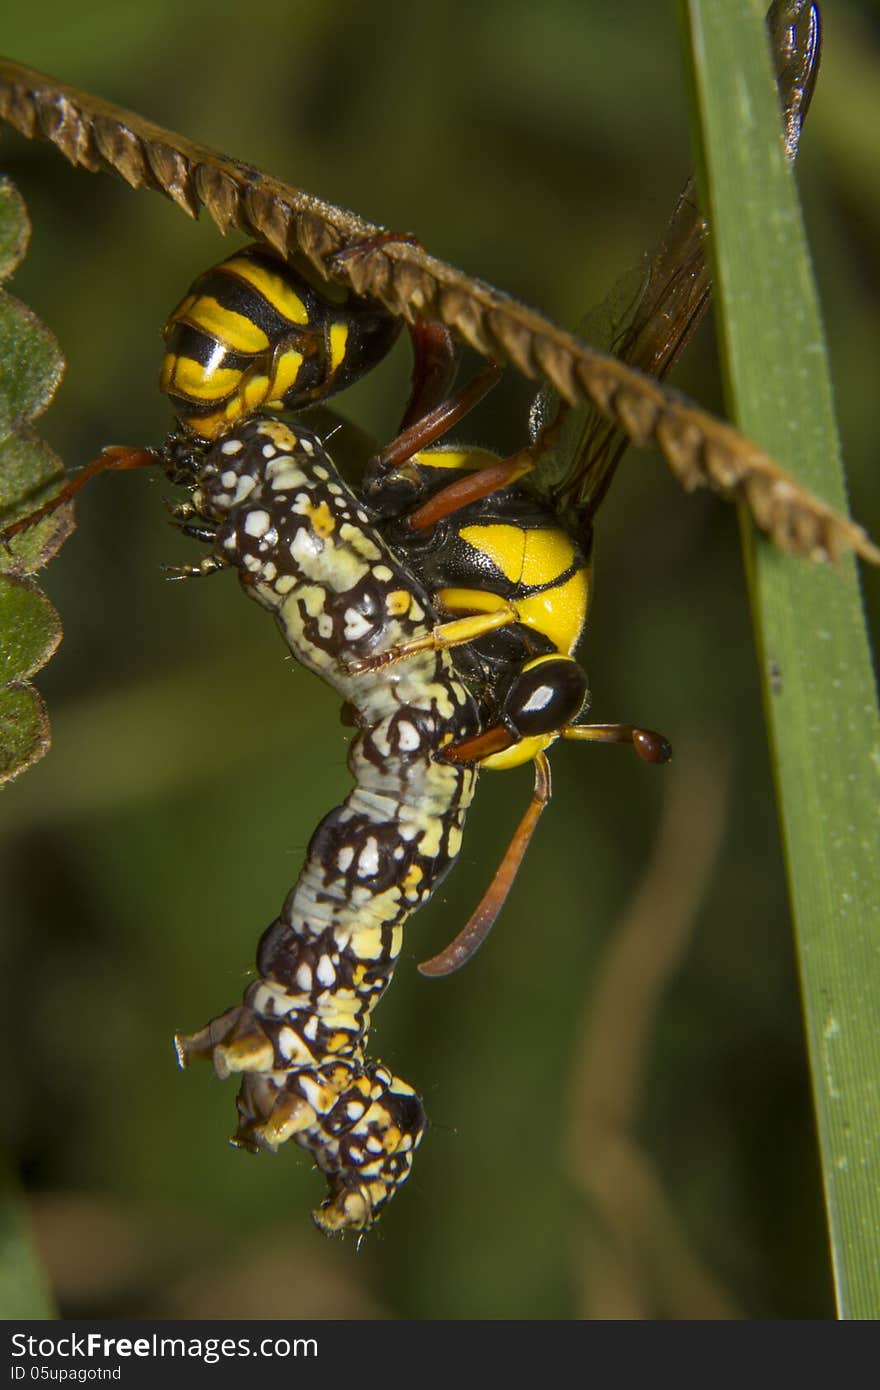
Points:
x=258, y=332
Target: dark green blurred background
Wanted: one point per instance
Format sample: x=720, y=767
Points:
x=540, y=148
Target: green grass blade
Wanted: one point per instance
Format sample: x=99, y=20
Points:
x=24, y=1291
x=813, y=648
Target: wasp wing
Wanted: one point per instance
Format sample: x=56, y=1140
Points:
x=654, y=311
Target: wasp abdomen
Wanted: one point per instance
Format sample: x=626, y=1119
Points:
x=259, y=331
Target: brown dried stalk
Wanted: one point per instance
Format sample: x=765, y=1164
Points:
x=700, y=449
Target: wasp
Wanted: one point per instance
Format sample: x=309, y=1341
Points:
x=495, y=584
x=434, y=697
x=509, y=583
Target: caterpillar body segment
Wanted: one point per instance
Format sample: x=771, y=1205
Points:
x=305, y=549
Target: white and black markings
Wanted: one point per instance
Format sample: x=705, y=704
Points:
x=305, y=550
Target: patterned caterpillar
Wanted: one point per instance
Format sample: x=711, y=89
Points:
x=275, y=508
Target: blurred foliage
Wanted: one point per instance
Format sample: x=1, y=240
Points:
x=542, y=149
x=31, y=366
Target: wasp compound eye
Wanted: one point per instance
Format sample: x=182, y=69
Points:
x=545, y=695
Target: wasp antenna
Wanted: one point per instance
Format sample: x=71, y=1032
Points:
x=650, y=746
x=475, y=931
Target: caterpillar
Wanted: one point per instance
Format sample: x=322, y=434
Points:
x=272, y=503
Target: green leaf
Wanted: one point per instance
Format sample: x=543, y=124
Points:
x=14, y=229
x=31, y=366
x=812, y=645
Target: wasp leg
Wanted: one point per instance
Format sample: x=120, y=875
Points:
x=481, y=922
x=435, y=357
x=436, y=422
x=472, y=488
x=115, y=457
x=368, y=244
x=435, y=362
x=452, y=634
x=484, y=481
x=650, y=746
x=210, y=565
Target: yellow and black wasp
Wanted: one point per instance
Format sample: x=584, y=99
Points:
x=510, y=578
x=505, y=569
